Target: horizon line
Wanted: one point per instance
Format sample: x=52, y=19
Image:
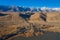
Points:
x=31, y=6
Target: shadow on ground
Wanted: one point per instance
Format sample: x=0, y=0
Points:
x=46, y=36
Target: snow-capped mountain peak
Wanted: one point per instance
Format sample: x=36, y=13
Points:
x=28, y=9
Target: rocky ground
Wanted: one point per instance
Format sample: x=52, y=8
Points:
x=31, y=26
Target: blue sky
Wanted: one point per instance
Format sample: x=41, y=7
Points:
x=31, y=3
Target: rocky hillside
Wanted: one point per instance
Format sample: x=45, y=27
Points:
x=19, y=24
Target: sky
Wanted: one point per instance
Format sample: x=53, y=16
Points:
x=31, y=3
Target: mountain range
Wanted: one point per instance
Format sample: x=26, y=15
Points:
x=27, y=9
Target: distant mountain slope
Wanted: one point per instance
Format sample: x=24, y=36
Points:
x=27, y=9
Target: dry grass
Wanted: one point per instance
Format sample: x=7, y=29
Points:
x=12, y=23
